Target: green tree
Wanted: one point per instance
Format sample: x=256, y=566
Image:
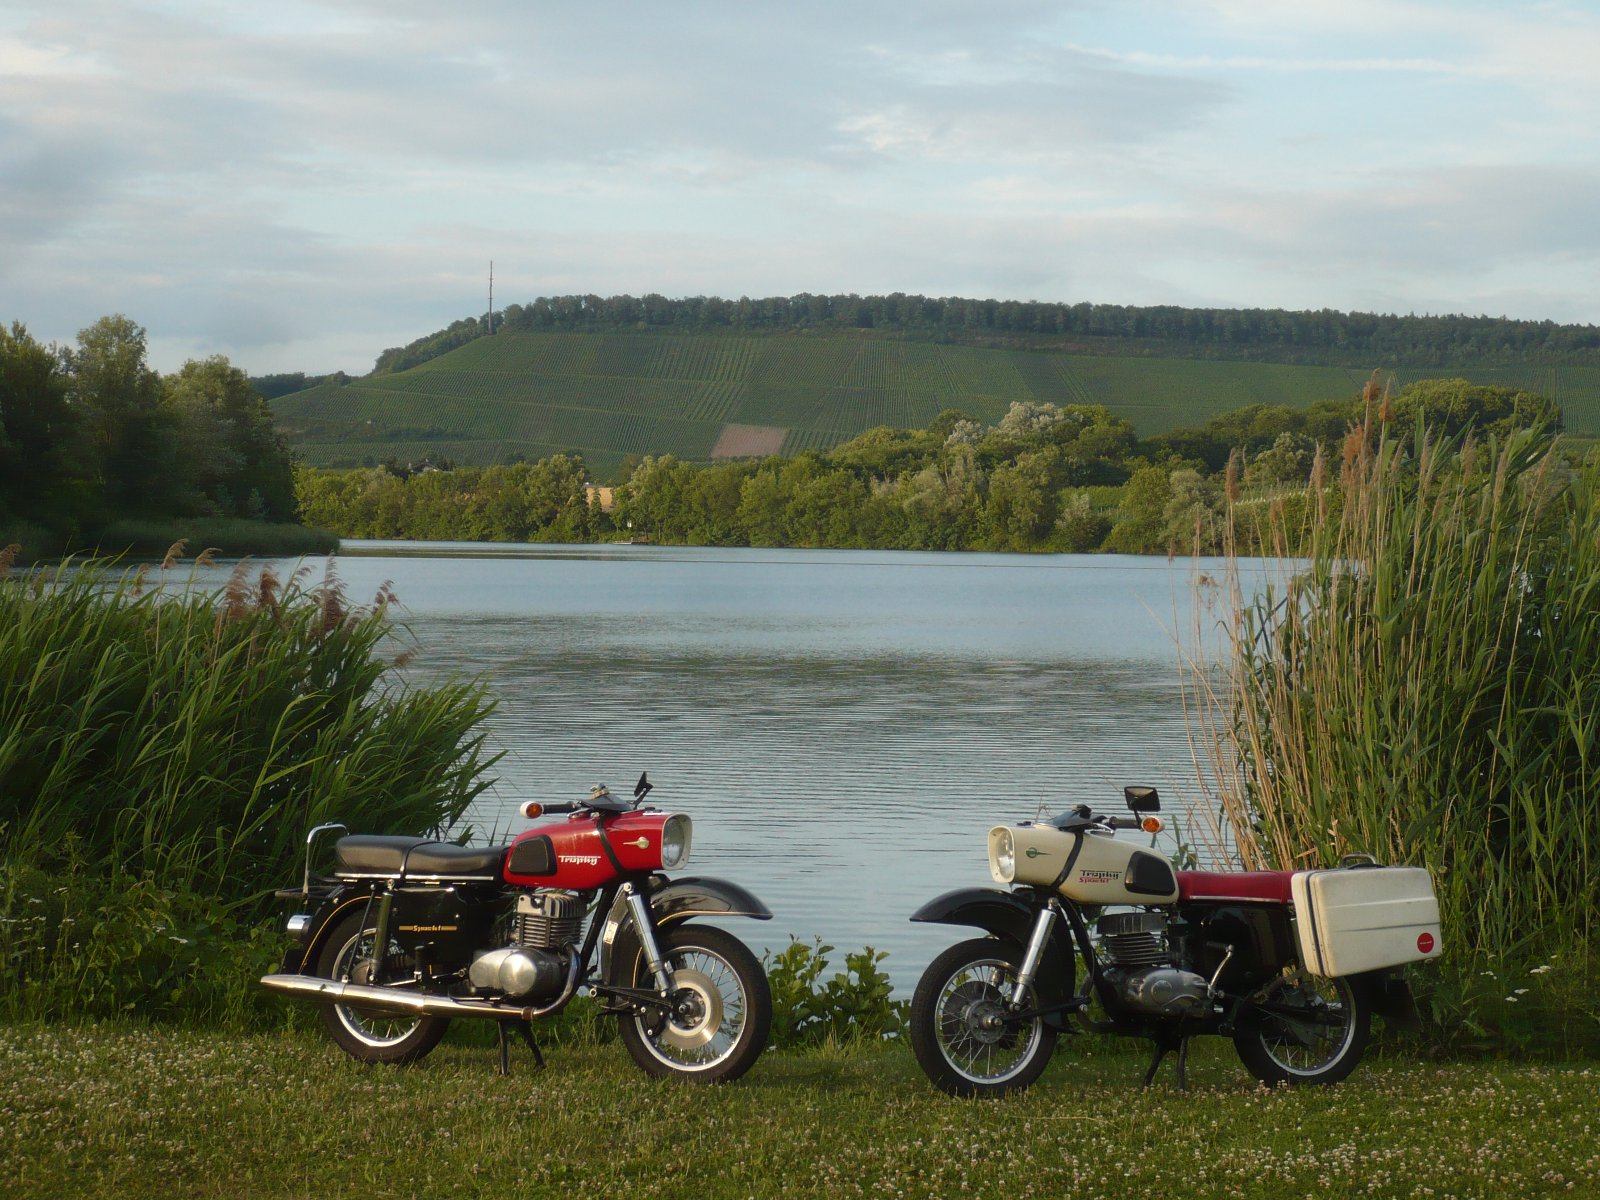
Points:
x=131, y=440
x=228, y=447
x=1142, y=525
x=1452, y=406
x=40, y=478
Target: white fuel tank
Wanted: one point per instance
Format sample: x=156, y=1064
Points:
x=1102, y=870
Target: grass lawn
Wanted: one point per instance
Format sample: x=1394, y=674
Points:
x=136, y=1112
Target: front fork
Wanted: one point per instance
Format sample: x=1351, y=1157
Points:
x=1034, y=954
x=639, y=906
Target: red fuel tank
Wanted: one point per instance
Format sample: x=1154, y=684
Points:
x=569, y=853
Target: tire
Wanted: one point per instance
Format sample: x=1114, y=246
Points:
x=954, y=1034
x=367, y=1034
x=1313, y=1030
x=722, y=1013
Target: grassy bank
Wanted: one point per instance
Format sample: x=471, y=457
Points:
x=228, y=537
x=137, y=1112
x=231, y=537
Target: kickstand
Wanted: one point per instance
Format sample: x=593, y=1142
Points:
x=525, y=1028
x=1164, y=1047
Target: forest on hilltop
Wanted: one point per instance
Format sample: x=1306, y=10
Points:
x=1323, y=336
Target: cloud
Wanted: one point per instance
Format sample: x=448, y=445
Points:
x=308, y=178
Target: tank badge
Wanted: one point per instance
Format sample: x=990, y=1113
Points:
x=640, y=843
x=1032, y=852
x=579, y=860
x=1100, y=877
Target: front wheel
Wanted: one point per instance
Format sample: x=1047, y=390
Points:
x=720, y=1012
x=1310, y=1030
x=961, y=1031
x=368, y=1034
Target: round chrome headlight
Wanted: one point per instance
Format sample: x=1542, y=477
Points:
x=676, y=835
x=1002, y=855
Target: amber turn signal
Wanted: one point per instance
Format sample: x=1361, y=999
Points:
x=532, y=809
x=1152, y=825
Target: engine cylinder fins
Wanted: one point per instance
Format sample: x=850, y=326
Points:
x=548, y=918
x=1134, y=939
x=1113, y=924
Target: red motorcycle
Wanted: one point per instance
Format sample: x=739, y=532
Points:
x=408, y=934
x=1291, y=965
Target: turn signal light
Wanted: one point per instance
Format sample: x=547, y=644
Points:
x=532, y=809
x=1152, y=825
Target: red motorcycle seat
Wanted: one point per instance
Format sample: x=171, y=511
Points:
x=1254, y=887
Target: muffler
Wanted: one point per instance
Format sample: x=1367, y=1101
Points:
x=328, y=991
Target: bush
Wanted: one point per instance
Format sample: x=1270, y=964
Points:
x=851, y=1005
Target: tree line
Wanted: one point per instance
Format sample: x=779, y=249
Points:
x=91, y=434
x=1067, y=478
x=1321, y=336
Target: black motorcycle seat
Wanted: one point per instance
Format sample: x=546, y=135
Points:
x=403, y=857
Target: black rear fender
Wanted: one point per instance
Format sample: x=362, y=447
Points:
x=300, y=958
x=1391, y=999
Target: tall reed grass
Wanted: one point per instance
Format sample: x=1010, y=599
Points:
x=1424, y=686
x=165, y=746
x=197, y=734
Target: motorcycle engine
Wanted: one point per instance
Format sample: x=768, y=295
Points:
x=1139, y=966
x=541, y=934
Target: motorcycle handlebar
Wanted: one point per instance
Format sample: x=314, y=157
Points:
x=535, y=808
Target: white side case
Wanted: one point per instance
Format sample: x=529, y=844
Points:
x=1356, y=919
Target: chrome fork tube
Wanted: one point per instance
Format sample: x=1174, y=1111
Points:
x=1035, y=952
x=640, y=908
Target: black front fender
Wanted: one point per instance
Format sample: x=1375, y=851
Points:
x=1010, y=917
x=698, y=896
x=1004, y=914
x=672, y=901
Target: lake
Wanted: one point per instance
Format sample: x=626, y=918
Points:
x=843, y=726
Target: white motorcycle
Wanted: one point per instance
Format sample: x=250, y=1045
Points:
x=1291, y=965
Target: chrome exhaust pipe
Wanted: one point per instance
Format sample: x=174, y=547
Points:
x=329, y=991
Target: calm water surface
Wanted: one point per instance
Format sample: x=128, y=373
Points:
x=842, y=726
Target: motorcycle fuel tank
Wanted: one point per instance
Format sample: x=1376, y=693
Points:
x=1102, y=870
x=587, y=851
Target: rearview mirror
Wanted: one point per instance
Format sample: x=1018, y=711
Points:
x=1142, y=799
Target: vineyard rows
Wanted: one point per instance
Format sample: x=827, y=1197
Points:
x=608, y=395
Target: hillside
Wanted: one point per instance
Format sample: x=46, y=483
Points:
x=711, y=394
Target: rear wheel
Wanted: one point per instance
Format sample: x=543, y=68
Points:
x=369, y=1034
x=960, y=1031
x=720, y=1012
x=1311, y=1030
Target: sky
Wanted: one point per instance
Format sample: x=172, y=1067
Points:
x=300, y=184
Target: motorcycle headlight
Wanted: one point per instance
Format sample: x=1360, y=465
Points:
x=1002, y=855
x=676, y=835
